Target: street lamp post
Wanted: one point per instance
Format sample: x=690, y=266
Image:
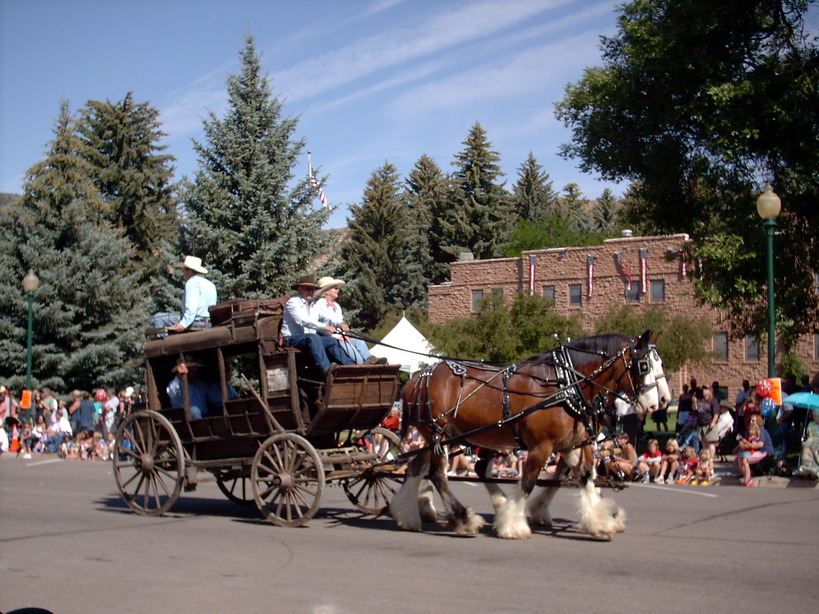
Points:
x=30, y=284
x=768, y=206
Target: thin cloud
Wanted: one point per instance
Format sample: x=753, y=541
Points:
x=390, y=49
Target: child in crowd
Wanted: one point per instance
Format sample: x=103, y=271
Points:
x=688, y=466
x=703, y=471
x=670, y=462
x=648, y=463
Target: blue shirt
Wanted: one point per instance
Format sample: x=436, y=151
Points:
x=200, y=293
x=199, y=395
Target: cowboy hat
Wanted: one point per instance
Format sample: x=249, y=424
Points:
x=308, y=281
x=194, y=264
x=188, y=363
x=324, y=284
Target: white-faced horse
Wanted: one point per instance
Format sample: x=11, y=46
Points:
x=552, y=402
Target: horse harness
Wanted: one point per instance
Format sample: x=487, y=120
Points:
x=569, y=394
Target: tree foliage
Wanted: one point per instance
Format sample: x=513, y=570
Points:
x=682, y=339
x=505, y=333
x=254, y=231
x=699, y=105
x=533, y=196
x=372, y=261
x=480, y=213
x=89, y=311
x=134, y=179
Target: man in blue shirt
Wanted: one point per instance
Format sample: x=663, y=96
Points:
x=199, y=296
x=302, y=330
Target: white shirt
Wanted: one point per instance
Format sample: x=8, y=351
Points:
x=623, y=407
x=299, y=319
x=329, y=313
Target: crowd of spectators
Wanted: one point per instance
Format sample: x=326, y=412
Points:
x=80, y=425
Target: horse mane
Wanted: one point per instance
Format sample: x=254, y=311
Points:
x=587, y=349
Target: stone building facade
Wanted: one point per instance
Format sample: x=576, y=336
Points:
x=656, y=276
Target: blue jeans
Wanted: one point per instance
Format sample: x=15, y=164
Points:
x=356, y=349
x=166, y=319
x=321, y=348
x=54, y=442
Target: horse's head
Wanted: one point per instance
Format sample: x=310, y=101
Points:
x=646, y=366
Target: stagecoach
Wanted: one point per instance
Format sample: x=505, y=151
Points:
x=280, y=434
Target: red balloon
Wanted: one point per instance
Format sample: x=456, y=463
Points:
x=764, y=388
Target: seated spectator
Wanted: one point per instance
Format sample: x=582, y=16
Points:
x=602, y=455
x=621, y=463
x=688, y=465
x=704, y=469
x=460, y=462
x=26, y=438
x=670, y=462
x=648, y=463
x=59, y=431
x=809, y=459
x=752, y=449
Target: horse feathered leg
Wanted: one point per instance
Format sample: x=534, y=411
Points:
x=598, y=517
x=463, y=520
x=510, y=520
x=404, y=505
x=483, y=469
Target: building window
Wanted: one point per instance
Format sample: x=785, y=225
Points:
x=633, y=293
x=549, y=292
x=657, y=290
x=721, y=347
x=751, y=348
x=816, y=282
x=575, y=295
x=477, y=297
x=816, y=346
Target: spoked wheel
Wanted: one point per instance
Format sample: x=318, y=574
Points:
x=287, y=479
x=149, y=463
x=236, y=487
x=372, y=489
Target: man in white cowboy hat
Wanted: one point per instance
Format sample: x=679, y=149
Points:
x=200, y=294
x=302, y=330
x=328, y=311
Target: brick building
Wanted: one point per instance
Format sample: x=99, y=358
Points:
x=590, y=280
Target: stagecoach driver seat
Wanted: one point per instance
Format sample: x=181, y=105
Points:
x=302, y=330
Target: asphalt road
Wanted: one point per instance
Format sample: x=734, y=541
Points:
x=70, y=545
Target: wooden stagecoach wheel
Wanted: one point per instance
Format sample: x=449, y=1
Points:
x=372, y=489
x=149, y=463
x=288, y=479
x=236, y=487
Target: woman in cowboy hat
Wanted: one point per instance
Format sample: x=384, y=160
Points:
x=327, y=309
x=302, y=330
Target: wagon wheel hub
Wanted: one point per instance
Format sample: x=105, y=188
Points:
x=146, y=463
x=285, y=480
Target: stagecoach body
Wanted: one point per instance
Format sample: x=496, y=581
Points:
x=289, y=432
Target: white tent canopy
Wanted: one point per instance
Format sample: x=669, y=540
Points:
x=405, y=336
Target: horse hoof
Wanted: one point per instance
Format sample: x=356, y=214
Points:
x=523, y=532
x=542, y=520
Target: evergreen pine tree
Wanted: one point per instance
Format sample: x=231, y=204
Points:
x=372, y=260
x=426, y=195
x=481, y=215
x=133, y=178
x=533, y=195
x=89, y=312
x=253, y=231
x=606, y=212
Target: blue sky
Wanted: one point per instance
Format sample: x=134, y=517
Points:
x=369, y=80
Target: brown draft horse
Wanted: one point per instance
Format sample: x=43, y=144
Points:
x=551, y=402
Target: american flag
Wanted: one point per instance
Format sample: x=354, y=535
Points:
x=643, y=270
x=623, y=266
x=314, y=182
x=532, y=271
x=590, y=274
